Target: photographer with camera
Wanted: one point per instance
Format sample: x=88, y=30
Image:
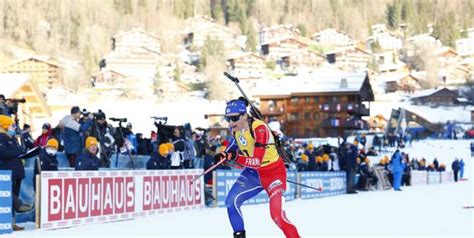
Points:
x=103, y=132
x=10, y=152
x=3, y=106
x=73, y=133
x=26, y=137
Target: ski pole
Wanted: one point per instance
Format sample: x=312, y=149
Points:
x=209, y=170
x=320, y=189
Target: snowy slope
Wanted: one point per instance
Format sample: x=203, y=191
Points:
x=421, y=211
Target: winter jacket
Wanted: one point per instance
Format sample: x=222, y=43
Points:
x=42, y=140
x=27, y=140
x=396, y=162
x=73, y=141
x=9, y=152
x=47, y=162
x=157, y=161
x=86, y=161
x=455, y=165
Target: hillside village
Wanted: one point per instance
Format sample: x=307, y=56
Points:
x=315, y=86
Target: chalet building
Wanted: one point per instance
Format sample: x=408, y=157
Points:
x=21, y=86
x=200, y=28
x=127, y=41
x=326, y=105
x=45, y=74
x=388, y=62
x=302, y=60
x=436, y=97
x=246, y=65
x=386, y=41
x=139, y=62
x=278, y=49
x=217, y=125
x=332, y=37
x=349, y=58
x=400, y=82
x=465, y=47
x=277, y=32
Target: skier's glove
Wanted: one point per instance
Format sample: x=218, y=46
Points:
x=228, y=156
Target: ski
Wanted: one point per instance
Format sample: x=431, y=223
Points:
x=468, y=207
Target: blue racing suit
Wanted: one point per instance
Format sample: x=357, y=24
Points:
x=245, y=187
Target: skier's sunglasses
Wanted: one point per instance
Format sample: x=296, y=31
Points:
x=233, y=118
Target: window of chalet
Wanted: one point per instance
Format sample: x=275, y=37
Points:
x=294, y=100
x=334, y=99
x=271, y=105
x=307, y=116
x=316, y=116
x=308, y=99
x=316, y=100
x=294, y=117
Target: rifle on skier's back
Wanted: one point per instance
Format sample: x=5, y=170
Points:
x=254, y=112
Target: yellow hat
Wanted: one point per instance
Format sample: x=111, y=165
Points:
x=310, y=146
x=304, y=157
x=52, y=143
x=319, y=159
x=170, y=146
x=164, y=149
x=367, y=160
x=91, y=141
x=325, y=157
x=6, y=121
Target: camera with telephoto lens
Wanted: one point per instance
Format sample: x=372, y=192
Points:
x=118, y=119
x=12, y=104
x=97, y=115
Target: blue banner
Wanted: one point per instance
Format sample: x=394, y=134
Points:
x=226, y=178
x=5, y=202
x=332, y=183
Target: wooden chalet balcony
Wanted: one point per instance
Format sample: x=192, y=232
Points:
x=356, y=124
x=274, y=112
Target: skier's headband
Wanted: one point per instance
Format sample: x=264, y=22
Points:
x=236, y=106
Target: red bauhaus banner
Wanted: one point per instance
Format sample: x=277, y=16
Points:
x=73, y=198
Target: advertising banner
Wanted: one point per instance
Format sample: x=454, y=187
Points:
x=419, y=178
x=447, y=176
x=332, y=184
x=73, y=198
x=226, y=178
x=5, y=202
x=434, y=178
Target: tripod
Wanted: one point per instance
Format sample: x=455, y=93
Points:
x=132, y=159
x=104, y=158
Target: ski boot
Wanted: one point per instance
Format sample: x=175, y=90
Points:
x=239, y=234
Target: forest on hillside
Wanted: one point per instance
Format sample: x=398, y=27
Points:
x=81, y=29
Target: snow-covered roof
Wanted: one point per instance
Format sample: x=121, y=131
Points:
x=11, y=83
x=427, y=92
x=318, y=82
x=441, y=114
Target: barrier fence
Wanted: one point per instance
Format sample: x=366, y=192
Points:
x=5, y=202
x=224, y=179
x=71, y=198
x=74, y=198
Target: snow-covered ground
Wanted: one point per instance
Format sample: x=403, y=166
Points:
x=418, y=211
